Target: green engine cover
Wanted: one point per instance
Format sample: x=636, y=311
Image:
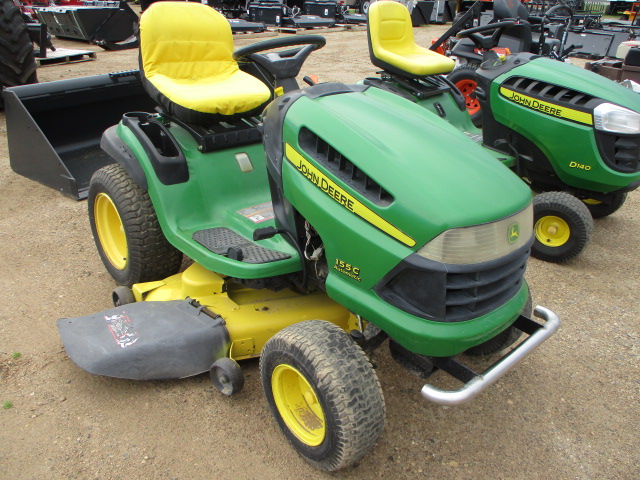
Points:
x=417, y=176
x=553, y=108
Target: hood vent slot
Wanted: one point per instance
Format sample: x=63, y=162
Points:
x=343, y=168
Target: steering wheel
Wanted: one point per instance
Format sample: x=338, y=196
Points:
x=546, y=18
x=282, y=64
x=486, y=42
x=557, y=8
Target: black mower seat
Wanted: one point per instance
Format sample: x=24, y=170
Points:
x=521, y=32
x=393, y=48
x=187, y=65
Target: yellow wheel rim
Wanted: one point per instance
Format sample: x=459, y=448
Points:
x=298, y=405
x=110, y=231
x=591, y=201
x=552, y=231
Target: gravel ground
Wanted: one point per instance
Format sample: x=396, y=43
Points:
x=569, y=411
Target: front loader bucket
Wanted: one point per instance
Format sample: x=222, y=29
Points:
x=54, y=128
x=92, y=23
x=146, y=340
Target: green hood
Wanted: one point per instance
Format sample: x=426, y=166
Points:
x=438, y=178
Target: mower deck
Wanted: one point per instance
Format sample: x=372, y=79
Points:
x=187, y=322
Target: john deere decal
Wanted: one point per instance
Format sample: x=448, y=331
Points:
x=548, y=108
x=514, y=233
x=328, y=186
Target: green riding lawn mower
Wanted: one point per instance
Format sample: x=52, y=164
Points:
x=321, y=222
x=511, y=30
x=571, y=135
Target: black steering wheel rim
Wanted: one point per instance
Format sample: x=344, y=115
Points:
x=486, y=28
x=242, y=54
x=486, y=42
x=546, y=17
x=556, y=8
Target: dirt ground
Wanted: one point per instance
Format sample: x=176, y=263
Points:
x=569, y=411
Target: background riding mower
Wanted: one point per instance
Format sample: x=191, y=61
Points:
x=569, y=134
x=324, y=238
x=512, y=30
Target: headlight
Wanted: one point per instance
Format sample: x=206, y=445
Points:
x=481, y=243
x=616, y=119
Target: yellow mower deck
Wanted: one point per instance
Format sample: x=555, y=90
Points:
x=251, y=316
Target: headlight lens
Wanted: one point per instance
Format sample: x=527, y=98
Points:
x=616, y=119
x=481, y=243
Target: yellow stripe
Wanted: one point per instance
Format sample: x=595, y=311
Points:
x=547, y=108
x=349, y=202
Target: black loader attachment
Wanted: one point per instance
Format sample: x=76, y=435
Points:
x=54, y=129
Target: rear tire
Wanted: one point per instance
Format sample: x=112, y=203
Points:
x=562, y=226
x=323, y=392
x=465, y=79
x=601, y=209
x=17, y=64
x=126, y=229
x=364, y=6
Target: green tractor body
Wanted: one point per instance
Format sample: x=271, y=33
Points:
x=550, y=105
x=552, y=124
x=358, y=194
x=341, y=217
x=571, y=135
x=372, y=225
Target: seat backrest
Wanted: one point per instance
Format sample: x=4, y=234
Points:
x=392, y=46
x=389, y=29
x=184, y=40
x=505, y=9
x=516, y=38
x=187, y=65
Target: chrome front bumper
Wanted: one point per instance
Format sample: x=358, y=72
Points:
x=537, y=334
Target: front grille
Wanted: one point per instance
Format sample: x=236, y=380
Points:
x=343, y=168
x=619, y=152
x=453, y=293
x=472, y=294
x=552, y=93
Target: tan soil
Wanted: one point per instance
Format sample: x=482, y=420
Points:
x=570, y=411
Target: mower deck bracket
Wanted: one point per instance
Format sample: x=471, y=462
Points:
x=538, y=334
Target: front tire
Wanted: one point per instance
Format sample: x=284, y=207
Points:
x=600, y=209
x=126, y=229
x=562, y=226
x=323, y=392
x=465, y=80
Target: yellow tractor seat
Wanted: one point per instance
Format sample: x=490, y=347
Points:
x=393, y=48
x=187, y=65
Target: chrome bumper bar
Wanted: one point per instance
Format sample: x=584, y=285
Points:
x=482, y=381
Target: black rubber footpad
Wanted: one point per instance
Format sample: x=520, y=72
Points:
x=220, y=240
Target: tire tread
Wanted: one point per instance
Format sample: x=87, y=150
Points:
x=151, y=256
x=17, y=63
x=345, y=374
x=574, y=212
